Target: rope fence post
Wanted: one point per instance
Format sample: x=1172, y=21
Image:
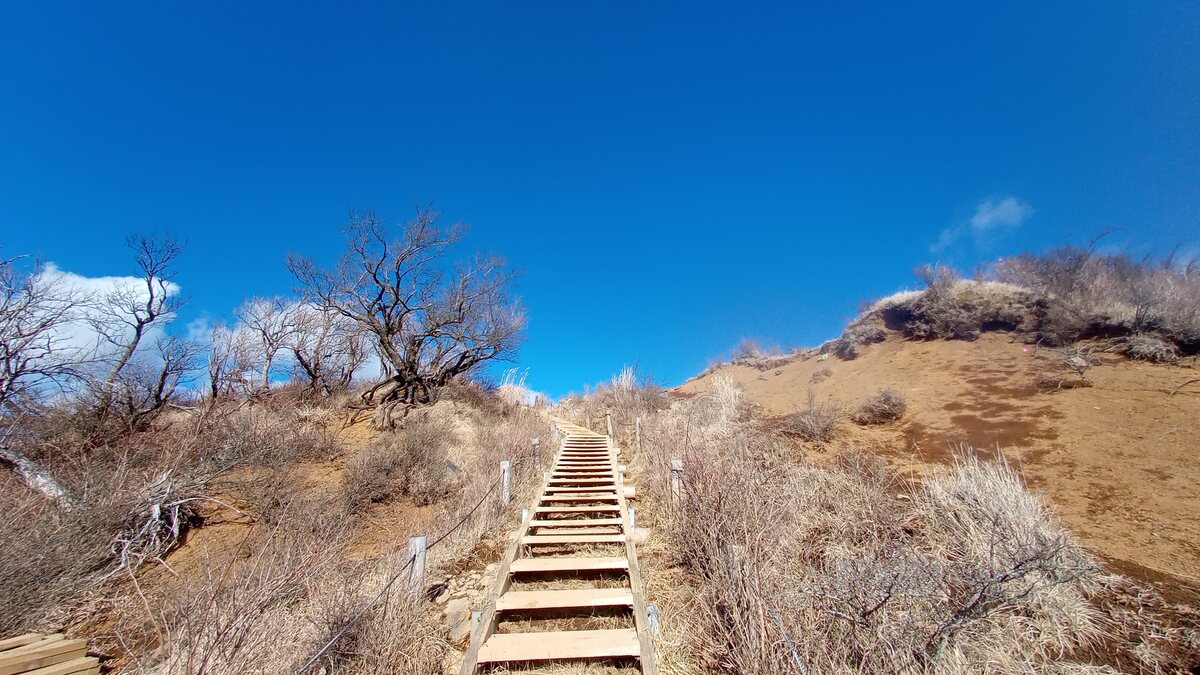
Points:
x=637, y=434
x=608, y=421
x=417, y=547
x=676, y=480
x=505, y=482
x=633, y=518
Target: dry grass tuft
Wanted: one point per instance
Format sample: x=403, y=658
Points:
x=883, y=407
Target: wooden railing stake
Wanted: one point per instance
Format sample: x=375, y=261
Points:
x=676, y=480
x=505, y=481
x=416, y=570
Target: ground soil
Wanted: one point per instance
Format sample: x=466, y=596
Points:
x=1117, y=460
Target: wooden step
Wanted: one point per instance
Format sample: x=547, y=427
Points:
x=39, y=654
x=586, y=598
x=576, y=522
x=543, y=565
x=578, y=509
x=581, y=481
x=549, y=539
x=20, y=641
x=570, y=497
x=560, y=645
x=562, y=489
x=87, y=665
x=573, y=531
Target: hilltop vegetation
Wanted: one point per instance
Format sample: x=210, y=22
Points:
x=243, y=502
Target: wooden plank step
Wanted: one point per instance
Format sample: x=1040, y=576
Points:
x=572, y=531
x=41, y=654
x=607, y=508
x=579, y=498
x=598, y=489
x=560, y=645
x=542, y=565
x=578, y=481
x=549, y=539
x=584, y=598
x=20, y=641
x=576, y=522
x=86, y=665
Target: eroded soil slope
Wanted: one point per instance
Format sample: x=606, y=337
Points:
x=1117, y=460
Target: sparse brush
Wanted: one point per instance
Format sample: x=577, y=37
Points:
x=1149, y=348
x=818, y=422
x=884, y=406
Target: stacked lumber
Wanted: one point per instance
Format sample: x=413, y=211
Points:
x=53, y=654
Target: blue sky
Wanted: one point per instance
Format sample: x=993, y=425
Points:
x=670, y=179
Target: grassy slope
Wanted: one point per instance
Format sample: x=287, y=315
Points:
x=1116, y=460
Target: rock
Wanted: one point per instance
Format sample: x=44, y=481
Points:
x=443, y=597
x=458, y=618
x=490, y=570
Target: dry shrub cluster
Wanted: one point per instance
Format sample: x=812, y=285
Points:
x=817, y=422
x=288, y=574
x=852, y=568
x=884, y=406
x=409, y=462
x=1057, y=298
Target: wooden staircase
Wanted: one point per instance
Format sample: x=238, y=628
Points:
x=579, y=510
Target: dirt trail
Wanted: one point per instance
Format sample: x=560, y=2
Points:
x=1117, y=461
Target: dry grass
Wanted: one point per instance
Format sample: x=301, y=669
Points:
x=883, y=407
x=287, y=572
x=770, y=565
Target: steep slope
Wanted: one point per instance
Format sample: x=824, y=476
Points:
x=1117, y=460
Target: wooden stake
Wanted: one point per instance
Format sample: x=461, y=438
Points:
x=416, y=570
x=505, y=481
x=637, y=434
x=608, y=420
x=676, y=480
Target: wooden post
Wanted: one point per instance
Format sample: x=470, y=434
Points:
x=637, y=434
x=608, y=420
x=589, y=419
x=524, y=514
x=620, y=477
x=676, y=480
x=416, y=569
x=545, y=476
x=476, y=615
x=633, y=518
x=652, y=617
x=505, y=481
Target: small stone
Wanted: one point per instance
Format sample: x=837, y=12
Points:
x=458, y=617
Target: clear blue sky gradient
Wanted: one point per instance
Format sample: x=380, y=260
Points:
x=670, y=178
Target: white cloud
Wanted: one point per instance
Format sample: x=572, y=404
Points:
x=80, y=334
x=991, y=215
x=992, y=218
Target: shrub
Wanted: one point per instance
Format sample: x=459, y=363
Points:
x=410, y=462
x=884, y=406
x=818, y=422
x=1150, y=348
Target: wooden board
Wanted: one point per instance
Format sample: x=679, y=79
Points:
x=535, y=540
x=585, y=598
x=606, y=508
x=41, y=654
x=574, y=644
x=20, y=641
x=81, y=666
x=576, y=522
x=544, y=565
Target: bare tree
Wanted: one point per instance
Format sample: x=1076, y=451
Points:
x=272, y=322
x=429, y=321
x=35, y=359
x=125, y=315
x=328, y=348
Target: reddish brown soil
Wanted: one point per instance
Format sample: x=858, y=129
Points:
x=1117, y=460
